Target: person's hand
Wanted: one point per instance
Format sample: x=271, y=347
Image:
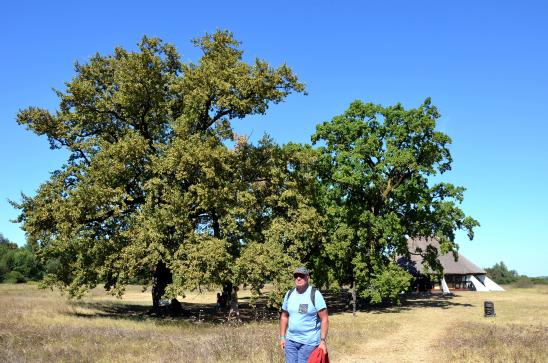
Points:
x=282, y=343
x=323, y=346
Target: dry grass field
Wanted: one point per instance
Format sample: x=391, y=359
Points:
x=42, y=326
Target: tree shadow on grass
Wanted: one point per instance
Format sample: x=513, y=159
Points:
x=192, y=312
x=411, y=302
x=337, y=303
x=113, y=310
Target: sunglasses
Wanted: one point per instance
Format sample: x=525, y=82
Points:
x=299, y=276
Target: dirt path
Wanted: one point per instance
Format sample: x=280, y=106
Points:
x=412, y=340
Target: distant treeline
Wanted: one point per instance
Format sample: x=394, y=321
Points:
x=501, y=275
x=18, y=264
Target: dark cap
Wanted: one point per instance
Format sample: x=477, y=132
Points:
x=301, y=270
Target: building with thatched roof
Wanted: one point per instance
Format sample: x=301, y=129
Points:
x=460, y=274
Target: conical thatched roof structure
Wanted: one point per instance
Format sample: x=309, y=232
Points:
x=461, y=274
x=462, y=266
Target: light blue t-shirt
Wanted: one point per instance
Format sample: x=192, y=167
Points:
x=303, y=323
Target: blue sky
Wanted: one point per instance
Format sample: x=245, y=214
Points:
x=485, y=65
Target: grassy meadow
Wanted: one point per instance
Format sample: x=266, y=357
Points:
x=43, y=326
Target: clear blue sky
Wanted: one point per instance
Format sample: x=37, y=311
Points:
x=484, y=63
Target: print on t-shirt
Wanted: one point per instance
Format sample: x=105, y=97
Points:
x=303, y=308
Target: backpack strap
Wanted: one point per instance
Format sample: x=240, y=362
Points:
x=289, y=292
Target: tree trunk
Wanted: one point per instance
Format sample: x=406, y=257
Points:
x=234, y=309
x=230, y=292
x=227, y=292
x=353, y=297
x=161, y=277
x=216, y=226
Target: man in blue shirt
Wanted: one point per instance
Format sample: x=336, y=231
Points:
x=304, y=321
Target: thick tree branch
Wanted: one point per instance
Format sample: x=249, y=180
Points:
x=110, y=213
x=219, y=115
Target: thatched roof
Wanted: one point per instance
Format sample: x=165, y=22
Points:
x=462, y=266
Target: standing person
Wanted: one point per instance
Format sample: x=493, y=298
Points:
x=304, y=321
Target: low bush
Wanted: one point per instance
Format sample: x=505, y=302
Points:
x=14, y=277
x=524, y=282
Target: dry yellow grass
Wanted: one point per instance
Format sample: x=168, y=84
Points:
x=42, y=326
x=438, y=329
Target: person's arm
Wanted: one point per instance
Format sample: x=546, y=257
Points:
x=324, y=328
x=283, y=327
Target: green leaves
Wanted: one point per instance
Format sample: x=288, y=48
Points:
x=151, y=188
x=387, y=284
x=376, y=165
x=202, y=262
x=149, y=180
x=262, y=263
x=222, y=87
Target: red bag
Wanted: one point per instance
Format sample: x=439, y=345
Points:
x=318, y=356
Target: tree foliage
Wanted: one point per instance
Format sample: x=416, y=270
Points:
x=501, y=275
x=280, y=215
x=376, y=167
x=150, y=188
x=18, y=264
x=151, y=191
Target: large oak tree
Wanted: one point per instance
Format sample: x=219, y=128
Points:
x=150, y=188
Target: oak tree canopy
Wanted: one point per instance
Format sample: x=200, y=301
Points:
x=150, y=189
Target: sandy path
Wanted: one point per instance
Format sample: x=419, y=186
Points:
x=412, y=340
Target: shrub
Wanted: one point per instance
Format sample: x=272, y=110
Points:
x=15, y=277
x=539, y=280
x=523, y=282
x=22, y=260
x=501, y=275
x=387, y=285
